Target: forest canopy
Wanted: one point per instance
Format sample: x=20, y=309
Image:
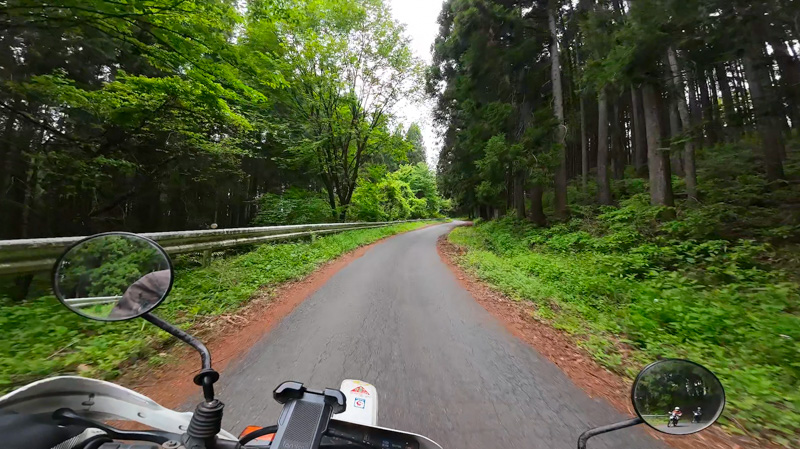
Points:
x=171, y=115
x=533, y=93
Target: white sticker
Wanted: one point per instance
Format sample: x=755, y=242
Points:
x=360, y=403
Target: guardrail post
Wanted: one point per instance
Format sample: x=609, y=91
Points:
x=206, y=258
x=21, y=286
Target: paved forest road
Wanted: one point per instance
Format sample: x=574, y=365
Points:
x=443, y=366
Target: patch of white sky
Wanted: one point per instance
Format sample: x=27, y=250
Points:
x=419, y=17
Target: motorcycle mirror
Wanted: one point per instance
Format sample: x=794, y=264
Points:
x=677, y=397
x=113, y=277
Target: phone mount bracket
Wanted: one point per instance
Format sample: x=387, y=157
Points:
x=305, y=415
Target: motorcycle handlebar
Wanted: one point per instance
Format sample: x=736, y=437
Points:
x=220, y=444
x=129, y=446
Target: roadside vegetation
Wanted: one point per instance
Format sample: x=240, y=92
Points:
x=42, y=338
x=717, y=284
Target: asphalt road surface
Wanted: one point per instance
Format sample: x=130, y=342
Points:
x=443, y=366
x=684, y=428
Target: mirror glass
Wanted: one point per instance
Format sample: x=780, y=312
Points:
x=113, y=277
x=678, y=397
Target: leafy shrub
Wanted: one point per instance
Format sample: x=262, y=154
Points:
x=409, y=192
x=422, y=182
x=295, y=206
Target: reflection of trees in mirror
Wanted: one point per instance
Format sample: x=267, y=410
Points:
x=677, y=384
x=107, y=265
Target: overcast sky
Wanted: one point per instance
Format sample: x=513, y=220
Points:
x=419, y=16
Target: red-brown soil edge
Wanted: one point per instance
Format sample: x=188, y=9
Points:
x=561, y=349
x=230, y=336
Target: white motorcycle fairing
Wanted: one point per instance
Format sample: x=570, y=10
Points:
x=362, y=412
x=98, y=400
x=361, y=401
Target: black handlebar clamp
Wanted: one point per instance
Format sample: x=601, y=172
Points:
x=305, y=416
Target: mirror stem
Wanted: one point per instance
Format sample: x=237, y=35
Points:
x=207, y=375
x=604, y=429
x=205, y=356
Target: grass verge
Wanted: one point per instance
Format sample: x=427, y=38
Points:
x=628, y=301
x=41, y=338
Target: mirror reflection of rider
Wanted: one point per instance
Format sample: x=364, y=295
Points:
x=697, y=415
x=142, y=294
x=675, y=414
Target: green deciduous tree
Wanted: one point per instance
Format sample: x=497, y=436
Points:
x=351, y=64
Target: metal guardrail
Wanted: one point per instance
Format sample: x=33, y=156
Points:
x=39, y=255
x=92, y=300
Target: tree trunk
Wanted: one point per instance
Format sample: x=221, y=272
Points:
x=519, y=195
x=690, y=171
x=510, y=189
x=745, y=116
x=617, y=152
x=603, y=188
x=715, y=111
x=707, y=109
x=584, y=129
x=537, y=216
x=584, y=147
x=5, y=150
x=674, y=134
x=732, y=121
x=790, y=78
x=763, y=105
x=331, y=199
x=485, y=212
x=560, y=204
x=28, y=203
x=694, y=113
x=657, y=160
x=639, y=134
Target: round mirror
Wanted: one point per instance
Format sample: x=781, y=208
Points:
x=113, y=277
x=678, y=397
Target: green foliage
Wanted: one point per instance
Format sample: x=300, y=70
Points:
x=158, y=115
x=352, y=64
x=486, y=72
x=42, y=338
x=414, y=137
x=409, y=192
x=625, y=276
x=295, y=206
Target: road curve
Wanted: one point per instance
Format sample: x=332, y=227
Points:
x=443, y=366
